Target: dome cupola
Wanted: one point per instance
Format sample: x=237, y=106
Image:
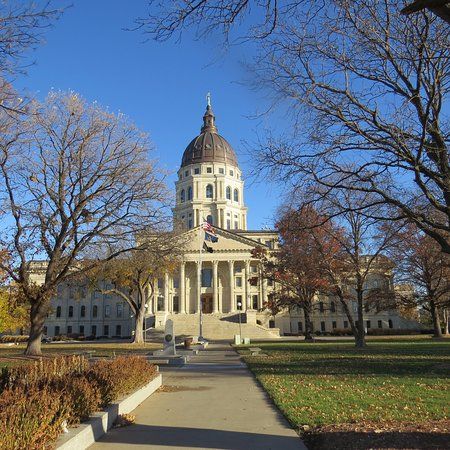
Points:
x=209, y=146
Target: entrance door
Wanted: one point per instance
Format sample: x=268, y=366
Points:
x=207, y=304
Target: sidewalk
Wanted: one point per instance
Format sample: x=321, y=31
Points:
x=211, y=403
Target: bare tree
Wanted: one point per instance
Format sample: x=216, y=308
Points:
x=359, y=272
x=133, y=275
x=22, y=28
x=422, y=265
x=76, y=181
x=367, y=88
x=439, y=7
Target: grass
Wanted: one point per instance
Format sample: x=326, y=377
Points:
x=333, y=383
x=13, y=355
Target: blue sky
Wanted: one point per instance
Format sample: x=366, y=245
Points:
x=160, y=86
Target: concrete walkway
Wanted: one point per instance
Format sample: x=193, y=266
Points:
x=211, y=403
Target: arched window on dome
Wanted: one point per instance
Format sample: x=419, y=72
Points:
x=209, y=191
x=228, y=193
x=189, y=193
x=182, y=198
x=209, y=219
x=236, y=195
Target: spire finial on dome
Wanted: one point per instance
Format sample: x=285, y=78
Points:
x=208, y=118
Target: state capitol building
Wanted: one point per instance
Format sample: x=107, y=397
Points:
x=221, y=284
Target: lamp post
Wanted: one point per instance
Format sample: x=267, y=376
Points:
x=239, y=305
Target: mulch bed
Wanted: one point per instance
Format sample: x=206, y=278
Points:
x=429, y=435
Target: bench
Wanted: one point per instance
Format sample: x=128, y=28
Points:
x=255, y=351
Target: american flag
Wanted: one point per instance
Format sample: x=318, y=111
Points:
x=208, y=227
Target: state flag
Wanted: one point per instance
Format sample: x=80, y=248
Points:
x=210, y=237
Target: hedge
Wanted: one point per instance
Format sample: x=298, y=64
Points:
x=37, y=399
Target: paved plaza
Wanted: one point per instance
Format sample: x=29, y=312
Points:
x=211, y=403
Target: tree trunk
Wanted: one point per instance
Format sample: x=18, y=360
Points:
x=436, y=322
x=38, y=315
x=445, y=317
x=360, y=338
x=349, y=317
x=307, y=307
x=140, y=316
x=139, y=329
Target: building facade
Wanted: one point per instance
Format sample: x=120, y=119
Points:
x=221, y=279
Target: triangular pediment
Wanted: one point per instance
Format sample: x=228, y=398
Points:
x=227, y=241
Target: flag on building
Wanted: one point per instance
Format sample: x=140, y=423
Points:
x=210, y=237
x=208, y=227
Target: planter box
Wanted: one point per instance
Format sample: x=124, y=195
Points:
x=88, y=432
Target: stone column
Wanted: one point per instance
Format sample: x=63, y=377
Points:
x=182, y=290
x=199, y=286
x=231, y=277
x=166, y=292
x=247, y=299
x=215, y=288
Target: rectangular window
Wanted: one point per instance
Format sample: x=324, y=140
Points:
x=221, y=170
x=118, y=330
x=380, y=324
x=69, y=329
x=57, y=330
x=228, y=224
x=253, y=269
x=196, y=171
x=236, y=225
x=239, y=302
x=207, y=277
x=176, y=303
x=237, y=269
x=119, y=307
x=176, y=282
x=322, y=326
x=238, y=281
x=81, y=329
x=106, y=330
x=255, y=301
x=209, y=170
x=160, y=283
x=334, y=324
x=368, y=324
x=345, y=324
x=160, y=304
x=107, y=311
x=321, y=307
x=94, y=330
x=186, y=173
x=300, y=327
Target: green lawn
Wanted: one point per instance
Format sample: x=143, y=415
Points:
x=328, y=384
x=13, y=355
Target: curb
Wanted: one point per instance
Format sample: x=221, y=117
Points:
x=89, y=432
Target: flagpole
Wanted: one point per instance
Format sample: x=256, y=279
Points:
x=200, y=335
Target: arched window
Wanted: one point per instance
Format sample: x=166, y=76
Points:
x=189, y=195
x=209, y=191
x=333, y=307
x=94, y=311
x=209, y=219
x=182, y=198
x=236, y=195
x=58, y=311
x=83, y=311
x=70, y=311
x=228, y=193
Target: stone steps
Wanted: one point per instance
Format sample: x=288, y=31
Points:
x=219, y=327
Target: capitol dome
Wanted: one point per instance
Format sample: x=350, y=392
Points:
x=209, y=146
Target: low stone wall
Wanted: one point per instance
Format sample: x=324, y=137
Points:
x=87, y=433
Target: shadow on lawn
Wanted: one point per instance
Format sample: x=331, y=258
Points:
x=352, y=440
